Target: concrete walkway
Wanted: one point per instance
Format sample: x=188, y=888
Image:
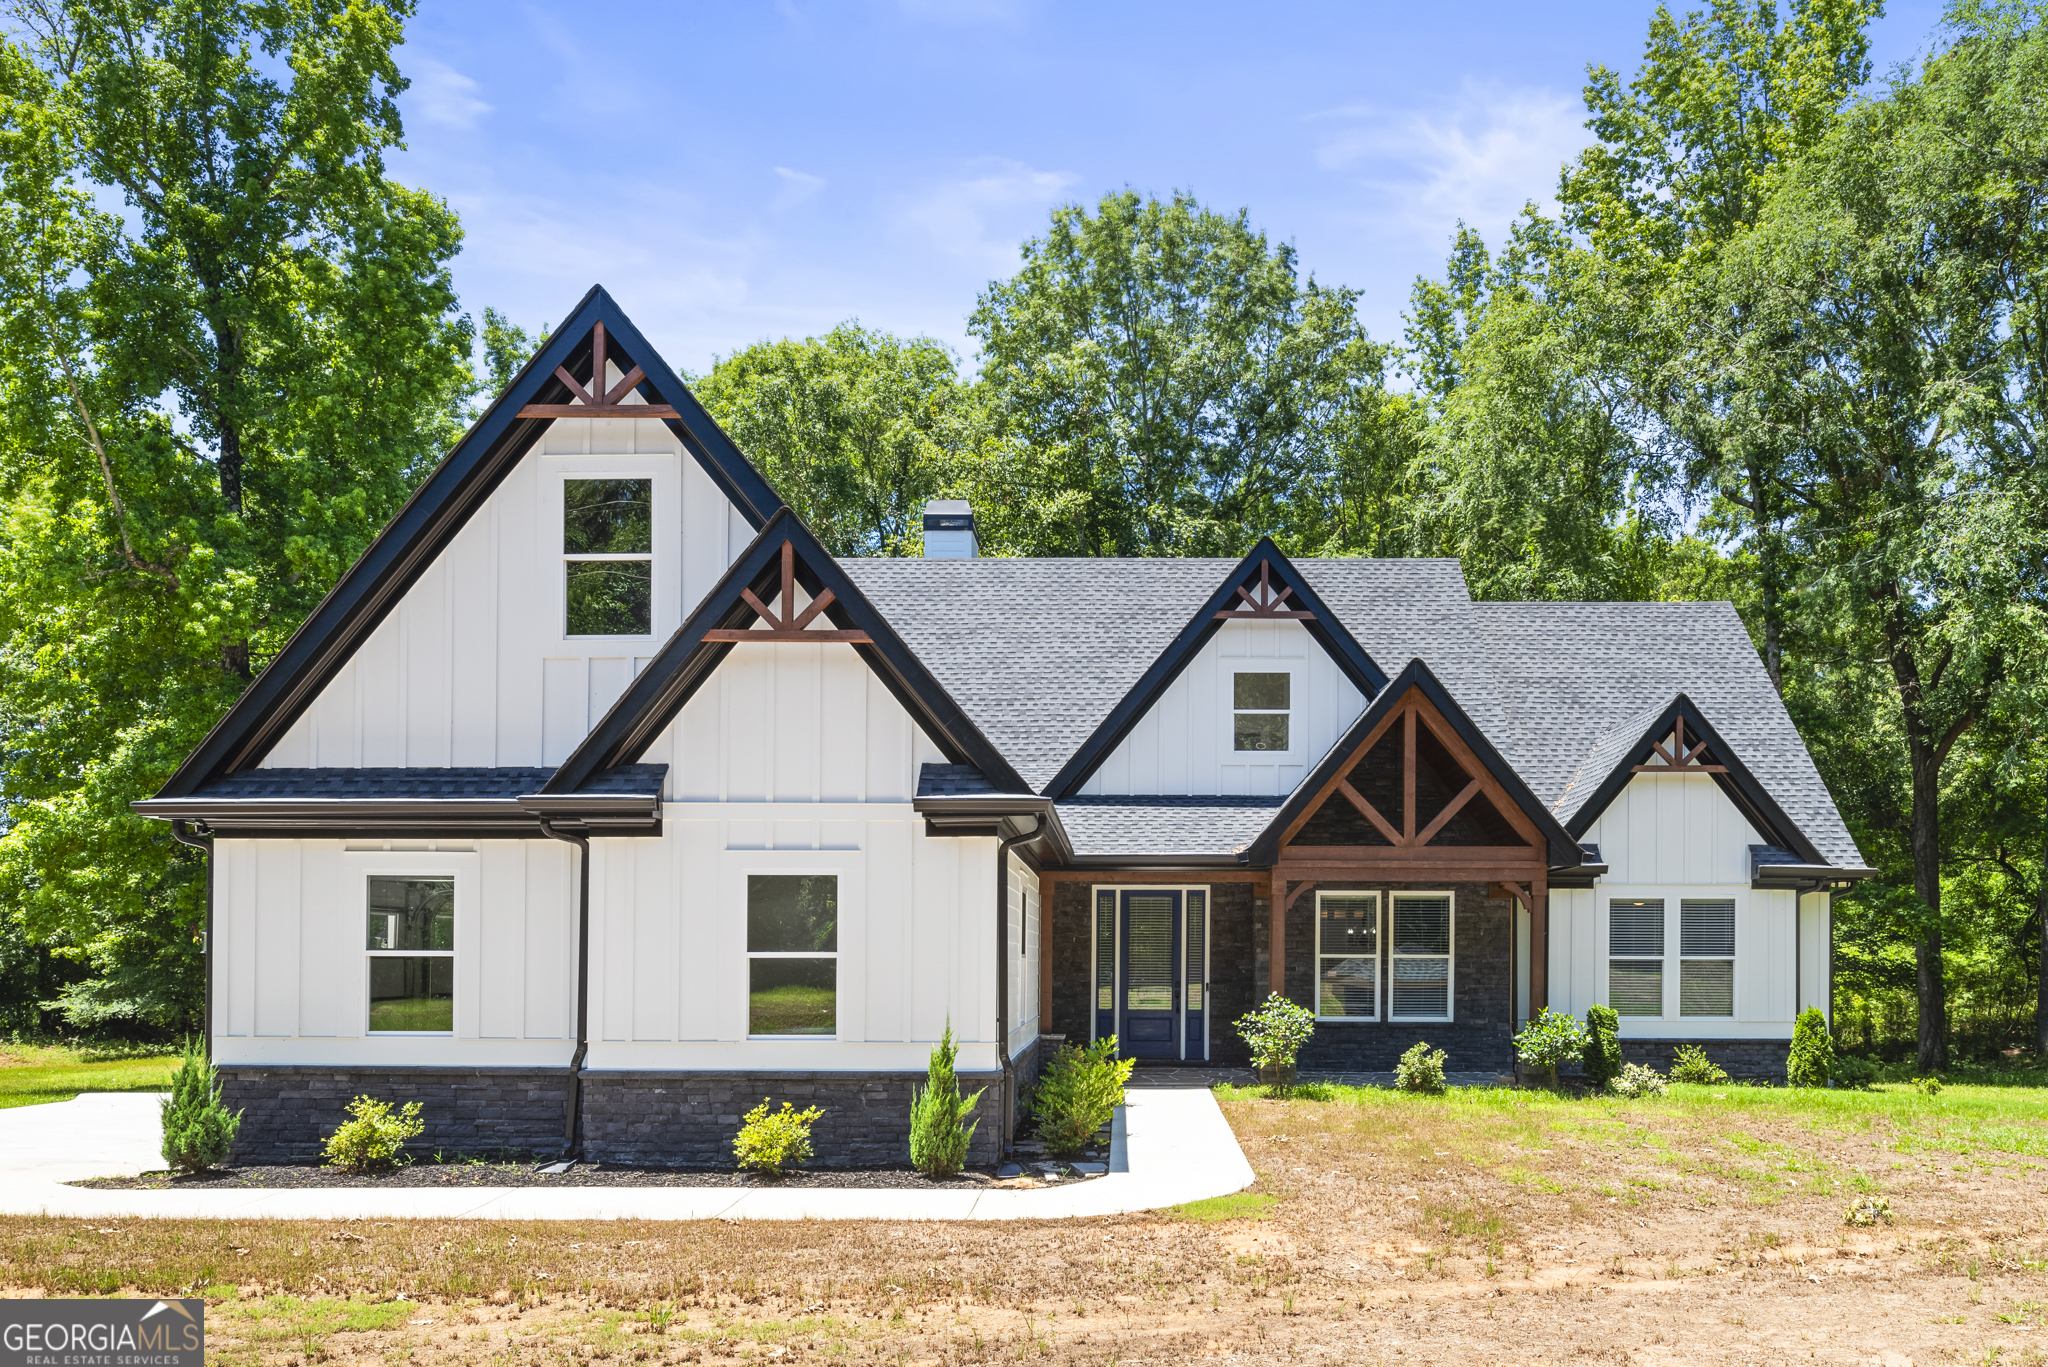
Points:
x=1169, y=1147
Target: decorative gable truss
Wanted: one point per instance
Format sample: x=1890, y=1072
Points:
x=1265, y=586
x=760, y=600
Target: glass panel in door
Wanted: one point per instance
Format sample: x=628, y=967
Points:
x=1151, y=984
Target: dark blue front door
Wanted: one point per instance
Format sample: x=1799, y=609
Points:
x=1150, y=981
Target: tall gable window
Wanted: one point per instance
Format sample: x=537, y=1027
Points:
x=1635, y=956
x=1706, y=957
x=1262, y=706
x=793, y=954
x=410, y=937
x=608, y=554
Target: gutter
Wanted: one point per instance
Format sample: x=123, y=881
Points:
x=1009, y=1083
x=982, y=814
x=204, y=844
x=572, y=1120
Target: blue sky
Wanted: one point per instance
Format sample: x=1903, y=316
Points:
x=745, y=171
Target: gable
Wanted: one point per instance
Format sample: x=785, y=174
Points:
x=1185, y=742
x=1674, y=828
x=432, y=521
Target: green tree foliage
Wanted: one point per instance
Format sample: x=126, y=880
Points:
x=1185, y=389
x=1812, y=1058
x=938, y=1140
x=1601, y=1055
x=198, y=1131
x=212, y=402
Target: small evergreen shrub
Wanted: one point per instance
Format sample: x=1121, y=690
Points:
x=198, y=1131
x=1691, y=1064
x=1601, y=1056
x=1078, y=1093
x=1852, y=1071
x=938, y=1141
x=1869, y=1210
x=773, y=1142
x=1276, y=1030
x=1421, y=1069
x=1813, y=1053
x=1929, y=1086
x=1549, y=1040
x=1638, y=1080
x=372, y=1137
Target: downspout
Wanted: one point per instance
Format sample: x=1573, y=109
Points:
x=204, y=844
x=572, y=1119
x=1009, y=1080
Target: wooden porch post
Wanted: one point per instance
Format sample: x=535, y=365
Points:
x=1539, y=942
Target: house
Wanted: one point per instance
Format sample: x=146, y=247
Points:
x=597, y=802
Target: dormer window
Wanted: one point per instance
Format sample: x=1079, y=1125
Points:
x=1262, y=705
x=608, y=554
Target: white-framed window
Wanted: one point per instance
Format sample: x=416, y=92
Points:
x=409, y=938
x=1347, y=956
x=1420, y=944
x=607, y=556
x=1262, y=710
x=1706, y=957
x=792, y=955
x=1635, y=956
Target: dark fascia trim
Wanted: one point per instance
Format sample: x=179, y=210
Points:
x=687, y=660
x=989, y=813
x=436, y=512
x=1328, y=631
x=394, y=818
x=1564, y=851
x=1800, y=877
x=1741, y=786
x=1590, y=867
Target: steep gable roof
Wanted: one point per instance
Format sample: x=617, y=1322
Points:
x=785, y=550
x=437, y=510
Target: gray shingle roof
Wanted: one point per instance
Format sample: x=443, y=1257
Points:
x=1038, y=652
x=1164, y=825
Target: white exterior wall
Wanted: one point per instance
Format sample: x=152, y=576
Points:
x=1677, y=836
x=472, y=667
x=1024, y=922
x=292, y=979
x=1816, y=952
x=1183, y=744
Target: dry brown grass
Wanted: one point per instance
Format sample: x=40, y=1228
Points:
x=1705, y=1228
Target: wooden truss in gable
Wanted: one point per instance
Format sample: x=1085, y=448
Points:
x=597, y=400
x=1267, y=603
x=787, y=624
x=1678, y=757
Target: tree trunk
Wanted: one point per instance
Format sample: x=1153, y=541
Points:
x=1770, y=569
x=1932, y=983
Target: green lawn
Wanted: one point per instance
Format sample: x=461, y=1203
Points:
x=33, y=1074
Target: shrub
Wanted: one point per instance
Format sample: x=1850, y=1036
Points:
x=1421, y=1069
x=1929, y=1086
x=1549, y=1040
x=772, y=1142
x=1812, y=1058
x=1078, y=1093
x=372, y=1137
x=938, y=1142
x=1851, y=1071
x=1636, y=1080
x=1276, y=1030
x=198, y=1131
x=1691, y=1064
x=1601, y=1056
x=1868, y=1210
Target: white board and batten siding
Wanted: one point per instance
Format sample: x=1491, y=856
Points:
x=293, y=987
x=1678, y=837
x=1184, y=743
x=473, y=666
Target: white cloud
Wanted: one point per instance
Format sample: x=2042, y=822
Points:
x=796, y=188
x=1478, y=157
x=982, y=216
x=444, y=95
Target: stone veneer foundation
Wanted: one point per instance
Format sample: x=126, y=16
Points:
x=288, y=1111
x=1758, y=1059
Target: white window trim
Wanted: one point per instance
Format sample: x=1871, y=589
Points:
x=1668, y=982
x=1379, y=956
x=658, y=471
x=1296, y=671
x=842, y=876
x=1450, y=968
x=365, y=865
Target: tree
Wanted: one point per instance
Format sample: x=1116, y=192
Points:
x=1184, y=389
x=215, y=400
